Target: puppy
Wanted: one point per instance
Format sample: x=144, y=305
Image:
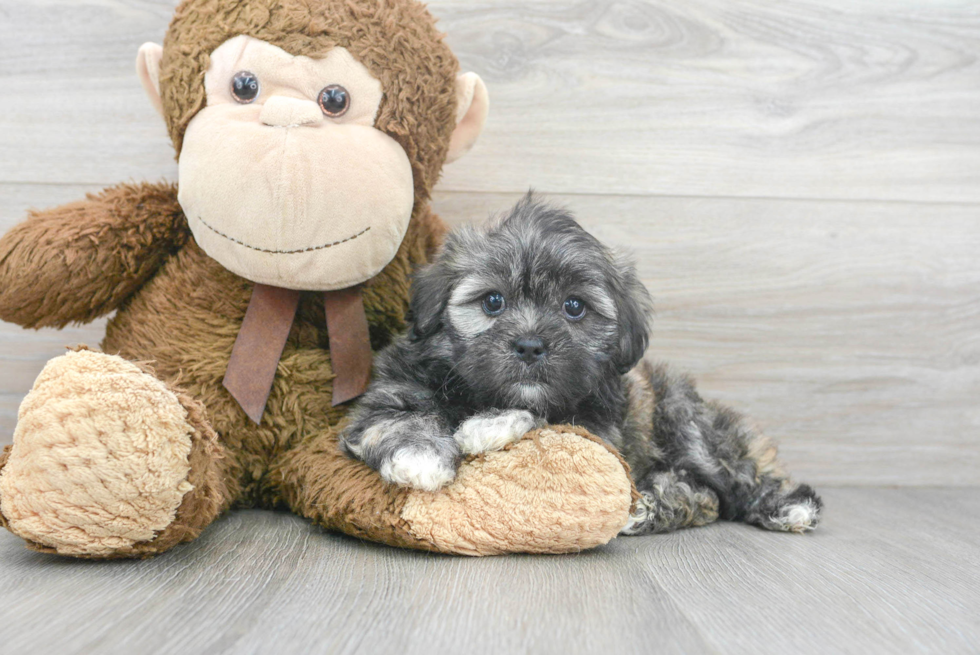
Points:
x=533, y=321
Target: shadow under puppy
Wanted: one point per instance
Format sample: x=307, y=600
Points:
x=533, y=321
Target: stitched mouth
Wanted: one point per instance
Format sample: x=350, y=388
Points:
x=283, y=252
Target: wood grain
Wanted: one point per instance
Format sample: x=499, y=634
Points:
x=890, y=571
x=849, y=331
x=837, y=99
x=834, y=99
x=800, y=185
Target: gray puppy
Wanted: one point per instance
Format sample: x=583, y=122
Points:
x=533, y=321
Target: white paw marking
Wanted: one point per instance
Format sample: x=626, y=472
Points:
x=417, y=468
x=487, y=432
x=799, y=517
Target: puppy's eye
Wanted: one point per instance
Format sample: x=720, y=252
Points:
x=245, y=87
x=334, y=101
x=574, y=308
x=493, y=303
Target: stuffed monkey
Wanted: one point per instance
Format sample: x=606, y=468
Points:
x=309, y=135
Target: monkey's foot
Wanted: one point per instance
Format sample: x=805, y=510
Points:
x=558, y=490
x=107, y=461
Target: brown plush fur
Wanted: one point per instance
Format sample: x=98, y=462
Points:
x=185, y=320
x=494, y=505
x=129, y=249
x=336, y=492
x=199, y=507
x=77, y=262
x=396, y=40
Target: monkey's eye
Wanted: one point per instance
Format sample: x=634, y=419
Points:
x=334, y=101
x=574, y=308
x=493, y=303
x=245, y=87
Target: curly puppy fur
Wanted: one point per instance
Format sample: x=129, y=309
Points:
x=495, y=349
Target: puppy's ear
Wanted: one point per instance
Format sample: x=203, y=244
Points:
x=635, y=308
x=430, y=295
x=433, y=285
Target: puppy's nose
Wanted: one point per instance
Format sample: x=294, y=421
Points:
x=530, y=349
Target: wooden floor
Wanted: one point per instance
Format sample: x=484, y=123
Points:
x=891, y=571
x=799, y=182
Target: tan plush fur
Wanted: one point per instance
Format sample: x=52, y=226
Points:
x=178, y=313
x=313, y=206
x=395, y=39
x=100, y=457
x=494, y=507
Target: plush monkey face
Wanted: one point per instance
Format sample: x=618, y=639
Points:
x=286, y=177
x=282, y=190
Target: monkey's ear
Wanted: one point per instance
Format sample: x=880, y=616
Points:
x=148, y=68
x=472, y=107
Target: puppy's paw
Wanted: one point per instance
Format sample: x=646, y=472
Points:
x=421, y=469
x=796, y=517
x=670, y=503
x=799, y=511
x=800, y=517
x=641, y=518
x=494, y=430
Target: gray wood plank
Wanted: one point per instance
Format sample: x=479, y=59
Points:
x=849, y=331
x=837, y=99
x=263, y=582
x=75, y=112
x=889, y=571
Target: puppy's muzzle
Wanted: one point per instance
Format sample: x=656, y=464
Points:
x=530, y=349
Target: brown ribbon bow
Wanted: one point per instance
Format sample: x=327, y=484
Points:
x=262, y=337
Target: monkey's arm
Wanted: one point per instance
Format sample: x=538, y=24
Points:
x=79, y=261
